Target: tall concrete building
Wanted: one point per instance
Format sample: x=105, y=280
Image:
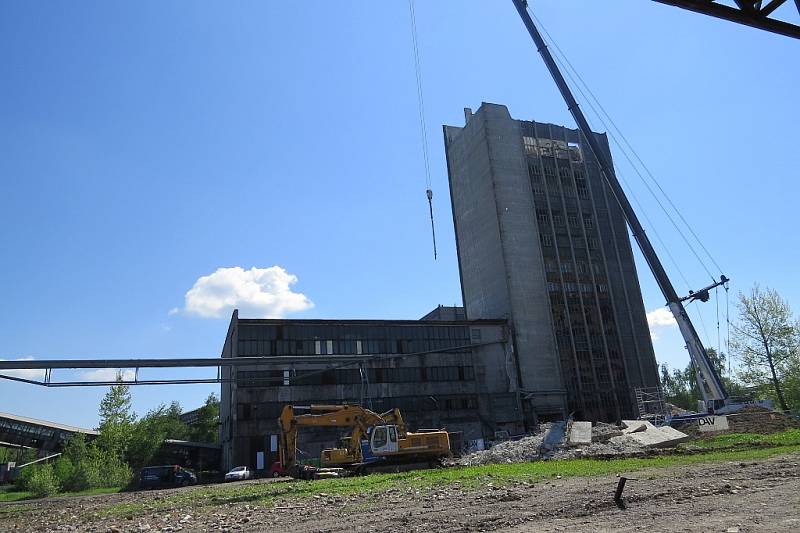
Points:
x=543, y=244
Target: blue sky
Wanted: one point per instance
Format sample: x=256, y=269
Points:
x=146, y=145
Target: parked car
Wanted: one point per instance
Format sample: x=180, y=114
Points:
x=239, y=473
x=276, y=470
x=152, y=477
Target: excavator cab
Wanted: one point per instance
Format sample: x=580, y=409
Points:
x=384, y=440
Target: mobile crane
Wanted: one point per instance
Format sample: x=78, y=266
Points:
x=389, y=441
x=715, y=396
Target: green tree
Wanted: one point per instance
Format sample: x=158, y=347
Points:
x=680, y=386
x=765, y=339
x=791, y=384
x=677, y=387
x=65, y=473
x=206, y=429
x=150, y=432
x=116, y=419
x=76, y=449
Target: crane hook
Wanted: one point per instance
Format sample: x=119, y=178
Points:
x=429, y=193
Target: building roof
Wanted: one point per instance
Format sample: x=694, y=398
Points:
x=190, y=444
x=370, y=322
x=445, y=312
x=48, y=424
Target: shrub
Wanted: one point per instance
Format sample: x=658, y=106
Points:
x=97, y=469
x=109, y=470
x=86, y=466
x=43, y=481
x=21, y=481
x=64, y=470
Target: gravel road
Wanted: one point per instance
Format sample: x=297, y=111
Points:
x=731, y=497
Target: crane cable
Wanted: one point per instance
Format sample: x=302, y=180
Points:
x=697, y=311
x=618, y=172
x=423, y=128
x=567, y=63
x=643, y=211
x=631, y=193
x=719, y=337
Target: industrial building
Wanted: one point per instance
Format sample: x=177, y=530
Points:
x=553, y=321
x=46, y=437
x=543, y=243
x=456, y=374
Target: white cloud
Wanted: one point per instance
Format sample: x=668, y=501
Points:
x=257, y=293
x=107, y=374
x=660, y=317
x=26, y=373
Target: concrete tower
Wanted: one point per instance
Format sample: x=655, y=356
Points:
x=543, y=243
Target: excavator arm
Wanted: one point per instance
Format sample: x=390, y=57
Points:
x=394, y=417
x=355, y=417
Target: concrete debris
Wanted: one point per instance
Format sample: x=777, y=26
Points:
x=601, y=432
x=674, y=434
x=580, y=433
x=634, y=428
x=634, y=438
x=620, y=446
x=554, y=437
x=657, y=439
x=650, y=436
x=510, y=451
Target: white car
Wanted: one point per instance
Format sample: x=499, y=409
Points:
x=239, y=473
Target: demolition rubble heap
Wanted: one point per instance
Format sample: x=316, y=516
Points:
x=579, y=439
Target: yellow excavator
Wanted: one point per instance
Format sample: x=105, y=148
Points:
x=389, y=445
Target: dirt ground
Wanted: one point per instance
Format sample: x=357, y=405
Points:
x=761, y=495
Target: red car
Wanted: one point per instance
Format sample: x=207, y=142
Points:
x=276, y=470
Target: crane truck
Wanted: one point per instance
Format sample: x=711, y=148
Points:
x=389, y=444
x=715, y=397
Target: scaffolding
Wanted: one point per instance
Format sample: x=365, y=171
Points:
x=651, y=404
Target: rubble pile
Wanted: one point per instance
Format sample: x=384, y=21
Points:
x=602, y=432
x=510, y=451
x=618, y=446
x=633, y=438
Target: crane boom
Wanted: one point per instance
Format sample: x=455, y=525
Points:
x=711, y=386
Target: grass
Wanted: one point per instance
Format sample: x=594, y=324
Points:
x=123, y=510
x=731, y=447
x=14, y=495
x=423, y=480
x=790, y=437
x=10, y=495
